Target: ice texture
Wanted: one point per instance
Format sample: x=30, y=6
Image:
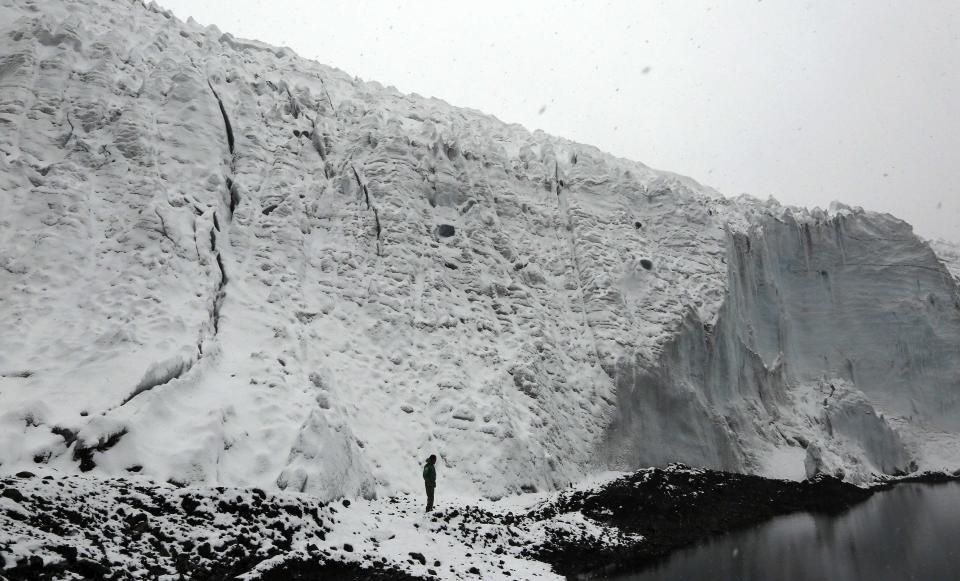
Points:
x=221, y=263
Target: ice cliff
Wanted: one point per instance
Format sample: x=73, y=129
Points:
x=222, y=263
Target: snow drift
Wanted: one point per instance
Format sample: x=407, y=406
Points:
x=222, y=263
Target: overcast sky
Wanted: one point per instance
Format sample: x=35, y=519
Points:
x=806, y=101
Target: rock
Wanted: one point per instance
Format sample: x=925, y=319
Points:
x=189, y=504
x=91, y=569
x=13, y=494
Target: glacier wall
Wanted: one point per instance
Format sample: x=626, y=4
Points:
x=853, y=306
x=221, y=263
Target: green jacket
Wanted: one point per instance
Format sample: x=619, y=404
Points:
x=430, y=475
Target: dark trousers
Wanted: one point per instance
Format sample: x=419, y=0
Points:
x=430, y=490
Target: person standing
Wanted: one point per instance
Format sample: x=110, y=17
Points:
x=430, y=479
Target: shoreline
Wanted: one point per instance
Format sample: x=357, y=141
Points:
x=55, y=525
x=717, y=503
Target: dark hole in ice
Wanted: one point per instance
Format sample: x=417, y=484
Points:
x=296, y=133
x=637, y=225
x=269, y=209
x=450, y=266
x=445, y=230
x=646, y=263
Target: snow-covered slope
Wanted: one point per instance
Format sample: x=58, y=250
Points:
x=222, y=263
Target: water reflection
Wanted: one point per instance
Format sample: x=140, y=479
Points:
x=910, y=532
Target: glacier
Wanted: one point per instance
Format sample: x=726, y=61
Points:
x=223, y=264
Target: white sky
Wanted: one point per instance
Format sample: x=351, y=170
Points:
x=807, y=101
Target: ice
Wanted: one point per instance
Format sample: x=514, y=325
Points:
x=225, y=264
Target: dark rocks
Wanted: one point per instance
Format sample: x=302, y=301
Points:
x=90, y=569
x=445, y=230
x=292, y=510
x=25, y=474
x=67, y=552
x=295, y=570
x=189, y=504
x=346, y=503
x=646, y=263
x=676, y=507
x=670, y=507
x=83, y=451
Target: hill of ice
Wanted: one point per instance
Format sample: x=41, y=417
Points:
x=222, y=263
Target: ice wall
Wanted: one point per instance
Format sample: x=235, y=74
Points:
x=832, y=324
x=222, y=263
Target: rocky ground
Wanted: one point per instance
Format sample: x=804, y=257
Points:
x=77, y=527
x=673, y=508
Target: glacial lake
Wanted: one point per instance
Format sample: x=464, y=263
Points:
x=909, y=532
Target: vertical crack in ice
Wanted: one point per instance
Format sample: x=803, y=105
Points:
x=233, y=198
x=564, y=207
x=163, y=228
x=326, y=92
x=371, y=207
x=233, y=201
x=233, y=194
x=69, y=135
x=164, y=372
x=226, y=119
x=220, y=295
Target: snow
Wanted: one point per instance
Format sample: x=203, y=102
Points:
x=222, y=265
x=124, y=518
x=949, y=253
